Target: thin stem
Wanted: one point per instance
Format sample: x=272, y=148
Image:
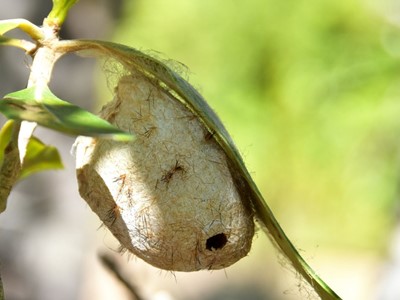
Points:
x=112, y=266
x=59, y=12
x=29, y=47
x=41, y=69
x=1, y=289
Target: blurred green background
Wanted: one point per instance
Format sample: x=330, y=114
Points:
x=310, y=93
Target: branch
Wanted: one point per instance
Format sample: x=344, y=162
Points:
x=1, y=289
x=111, y=265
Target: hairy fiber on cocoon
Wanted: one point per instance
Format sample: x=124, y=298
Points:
x=168, y=196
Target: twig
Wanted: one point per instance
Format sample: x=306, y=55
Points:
x=1, y=289
x=110, y=264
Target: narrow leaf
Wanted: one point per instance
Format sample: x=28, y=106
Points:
x=43, y=107
x=40, y=157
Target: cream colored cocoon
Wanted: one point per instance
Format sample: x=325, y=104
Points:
x=168, y=196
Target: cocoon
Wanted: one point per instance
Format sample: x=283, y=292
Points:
x=169, y=196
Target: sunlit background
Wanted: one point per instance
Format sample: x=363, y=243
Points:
x=310, y=92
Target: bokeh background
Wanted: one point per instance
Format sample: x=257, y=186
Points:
x=310, y=92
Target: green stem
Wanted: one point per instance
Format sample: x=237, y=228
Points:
x=59, y=12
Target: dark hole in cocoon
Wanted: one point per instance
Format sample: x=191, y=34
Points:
x=216, y=242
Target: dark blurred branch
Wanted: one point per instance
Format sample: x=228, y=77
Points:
x=111, y=265
x=1, y=289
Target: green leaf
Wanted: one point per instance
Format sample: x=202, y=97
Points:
x=34, y=31
x=40, y=105
x=5, y=136
x=39, y=157
x=59, y=11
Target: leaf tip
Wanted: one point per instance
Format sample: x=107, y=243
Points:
x=122, y=137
